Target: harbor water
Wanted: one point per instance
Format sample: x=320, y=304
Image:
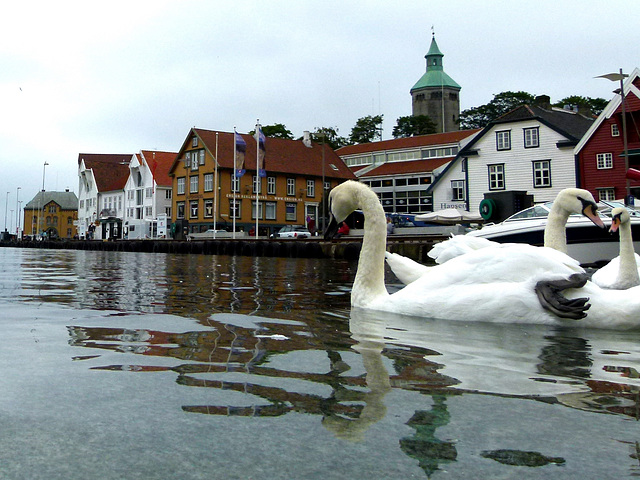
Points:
x=131, y=365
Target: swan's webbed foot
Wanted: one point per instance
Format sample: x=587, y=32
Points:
x=551, y=298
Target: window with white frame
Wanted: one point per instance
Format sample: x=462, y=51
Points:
x=179, y=208
x=201, y=157
x=604, y=160
x=193, y=208
x=457, y=190
x=194, y=142
x=208, y=182
x=531, y=137
x=615, y=131
x=291, y=187
x=192, y=158
x=181, y=183
x=607, y=194
x=542, y=173
x=253, y=210
x=148, y=192
x=257, y=184
x=235, y=183
x=167, y=194
x=270, y=210
x=291, y=211
x=208, y=208
x=235, y=208
x=193, y=184
x=148, y=211
x=271, y=185
x=311, y=188
x=503, y=140
x=327, y=185
x=496, y=177
x=167, y=210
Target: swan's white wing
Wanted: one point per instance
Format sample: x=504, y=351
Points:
x=404, y=268
x=458, y=245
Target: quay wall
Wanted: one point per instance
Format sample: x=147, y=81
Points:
x=414, y=247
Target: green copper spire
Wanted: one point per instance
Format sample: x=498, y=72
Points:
x=435, y=76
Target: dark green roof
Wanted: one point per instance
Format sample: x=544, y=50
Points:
x=435, y=76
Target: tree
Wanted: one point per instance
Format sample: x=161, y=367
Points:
x=367, y=129
x=277, y=130
x=330, y=136
x=594, y=105
x=411, y=126
x=479, y=117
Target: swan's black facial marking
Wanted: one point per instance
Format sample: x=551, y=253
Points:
x=332, y=229
x=590, y=210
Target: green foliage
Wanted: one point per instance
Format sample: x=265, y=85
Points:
x=411, y=126
x=595, y=105
x=479, y=117
x=277, y=130
x=330, y=136
x=367, y=129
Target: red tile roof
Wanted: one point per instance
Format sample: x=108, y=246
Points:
x=110, y=171
x=282, y=156
x=408, y=142
x=160, y=163
x=415, y=166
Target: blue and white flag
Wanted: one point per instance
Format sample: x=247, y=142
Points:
x=261, y=140
x=241, y=148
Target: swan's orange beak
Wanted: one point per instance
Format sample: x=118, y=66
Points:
x=591, y=212
x=615, y=224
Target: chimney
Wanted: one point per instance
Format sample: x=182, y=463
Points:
x=543, y=101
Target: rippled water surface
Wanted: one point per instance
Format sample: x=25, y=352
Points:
x=129, y=365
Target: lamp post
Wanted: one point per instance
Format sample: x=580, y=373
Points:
x=615, y=77
x=17, y=212
x=6, y=204
x=39, y=215
x=18, y=233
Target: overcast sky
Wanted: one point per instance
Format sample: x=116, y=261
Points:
x=118, y=77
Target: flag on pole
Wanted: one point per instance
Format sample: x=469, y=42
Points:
x=241, y=148
x=261, y=140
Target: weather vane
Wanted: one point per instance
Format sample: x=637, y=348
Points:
x=433, y=32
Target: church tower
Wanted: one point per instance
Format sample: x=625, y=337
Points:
x=436, y=94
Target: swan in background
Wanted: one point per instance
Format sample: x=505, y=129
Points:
x=508, y=283
x=621, y=272
x=567, y=202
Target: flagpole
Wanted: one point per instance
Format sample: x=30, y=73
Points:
x=235, y=179
x=258, y=179
x=215, y=189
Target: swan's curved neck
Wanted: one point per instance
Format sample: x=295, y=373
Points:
x=555, y=235
x=369, y=282
x=628, y=271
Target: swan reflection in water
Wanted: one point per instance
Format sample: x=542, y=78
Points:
x=266, y=367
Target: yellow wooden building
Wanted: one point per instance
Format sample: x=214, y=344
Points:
x=52, y=214
x=289, y=193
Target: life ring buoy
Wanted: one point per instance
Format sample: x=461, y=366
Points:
x=487, y=208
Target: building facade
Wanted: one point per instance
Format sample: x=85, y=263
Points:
x=401, y=170
x=600, y=154
x=147, y=195
x=207, y=194
x=436, y=94
x=51, y=215
x=529, y=149
x=102, y=178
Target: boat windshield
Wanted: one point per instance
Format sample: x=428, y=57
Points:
x=537, y=211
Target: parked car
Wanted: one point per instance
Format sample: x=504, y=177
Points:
x=293, y=231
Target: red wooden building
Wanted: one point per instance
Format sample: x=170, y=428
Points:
x=600, y=154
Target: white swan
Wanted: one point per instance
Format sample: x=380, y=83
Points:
x=493, y=284
x=622, y=271
x=568, y=201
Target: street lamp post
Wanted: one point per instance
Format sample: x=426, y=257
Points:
x=615, y=77
x=6, y=204
x=39, y=215
x=17, y=212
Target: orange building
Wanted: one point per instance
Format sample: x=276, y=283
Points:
x=290, y=192
x=53, y=214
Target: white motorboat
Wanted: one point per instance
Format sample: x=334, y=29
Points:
x=586, y=243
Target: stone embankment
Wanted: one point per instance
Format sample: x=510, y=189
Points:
x=415, y=247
